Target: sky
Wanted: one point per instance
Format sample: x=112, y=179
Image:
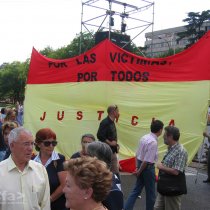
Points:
x=55, y=23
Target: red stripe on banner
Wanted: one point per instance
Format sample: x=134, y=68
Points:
x=108, y=62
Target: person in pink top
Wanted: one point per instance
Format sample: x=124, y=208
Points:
x=146, y=156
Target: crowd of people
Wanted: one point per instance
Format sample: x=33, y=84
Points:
x=90, y=179
x=10, y=118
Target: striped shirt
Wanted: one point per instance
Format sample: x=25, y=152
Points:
x=176, y=157
x=147, y=150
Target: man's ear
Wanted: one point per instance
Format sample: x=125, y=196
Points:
x=11, y=146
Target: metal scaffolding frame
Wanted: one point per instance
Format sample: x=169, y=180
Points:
x=121, y=10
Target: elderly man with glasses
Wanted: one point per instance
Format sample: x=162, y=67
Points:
x=23, y=182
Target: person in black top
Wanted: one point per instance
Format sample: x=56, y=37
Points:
x=107, y=133
x=86, y=139
x=114, y=200
x=45, y=143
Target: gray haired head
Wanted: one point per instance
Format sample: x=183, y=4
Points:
x=100, y=150
x=15, y=133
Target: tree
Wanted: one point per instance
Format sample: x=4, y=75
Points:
x=194, y=29
x=170, y=52
x=85, y=40
x=80, y=44
x=12, y=81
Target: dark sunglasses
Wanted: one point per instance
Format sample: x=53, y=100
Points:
x=48, y=143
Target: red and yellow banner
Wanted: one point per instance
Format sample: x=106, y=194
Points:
x=71, y=96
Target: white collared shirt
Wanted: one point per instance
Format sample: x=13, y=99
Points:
x=24, y=190
x=54, y=156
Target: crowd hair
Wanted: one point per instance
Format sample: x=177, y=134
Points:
x=111, y=108
x=88, y=135
x=9, y=125
x=100, y=150
x=172, y=131
x=89, y=172
x=43, y=134
x=156, y=126
x=15, y=133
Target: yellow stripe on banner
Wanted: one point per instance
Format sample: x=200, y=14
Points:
x=82, y=105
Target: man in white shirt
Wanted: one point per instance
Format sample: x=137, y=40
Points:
x=146, y=156
x=24, y=183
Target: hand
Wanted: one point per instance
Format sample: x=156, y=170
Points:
x=160, y=166
x=135, y=172
x=138, y=173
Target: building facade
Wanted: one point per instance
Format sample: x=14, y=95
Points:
x=160, y=42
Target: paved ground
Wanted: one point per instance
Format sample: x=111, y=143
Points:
x=197, y=198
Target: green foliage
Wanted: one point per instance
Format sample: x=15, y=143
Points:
x=137, y=50
x=12, y=80
x=170, y=52
x=82, y=42
x=194, y=29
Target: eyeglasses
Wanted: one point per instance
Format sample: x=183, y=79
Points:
x=48, y=143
